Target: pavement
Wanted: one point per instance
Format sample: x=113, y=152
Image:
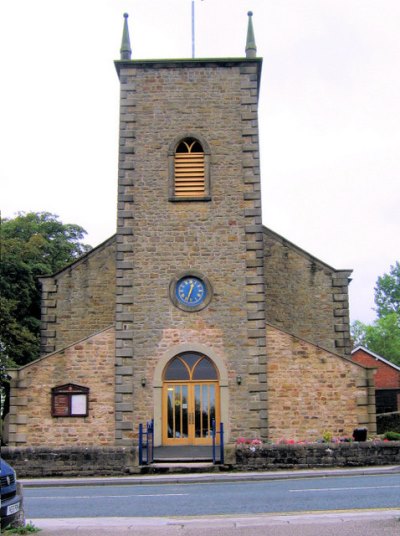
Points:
x=311, y=522
x=192, y=478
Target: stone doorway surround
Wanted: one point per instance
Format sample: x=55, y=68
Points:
x=158, y=384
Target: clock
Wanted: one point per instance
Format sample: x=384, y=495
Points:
x=191, y=291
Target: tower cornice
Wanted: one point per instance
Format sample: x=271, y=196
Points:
x=188, y=63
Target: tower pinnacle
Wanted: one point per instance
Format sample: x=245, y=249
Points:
x=126, y=51
x=251, y=49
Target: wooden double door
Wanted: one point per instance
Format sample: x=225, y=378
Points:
x=190, y=405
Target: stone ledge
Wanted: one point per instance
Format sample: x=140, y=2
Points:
x=356, y=454
x=71, y=461
x=39, y=462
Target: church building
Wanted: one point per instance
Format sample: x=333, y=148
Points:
x=193, y=312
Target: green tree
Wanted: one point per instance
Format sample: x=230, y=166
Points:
x=387, y=292
x=383, y=335
x=32, y=244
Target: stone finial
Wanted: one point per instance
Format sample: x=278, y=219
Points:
x=251, y=49
x=126, y=51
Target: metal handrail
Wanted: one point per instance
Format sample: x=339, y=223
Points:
x=146, y=443
x=221, y=442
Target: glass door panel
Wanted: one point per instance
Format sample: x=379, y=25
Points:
x=177, y=412
x=189, y=410
x=204, y=410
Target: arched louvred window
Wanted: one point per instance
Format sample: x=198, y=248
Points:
x=189, y=169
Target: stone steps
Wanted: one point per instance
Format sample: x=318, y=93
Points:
x=175, y=466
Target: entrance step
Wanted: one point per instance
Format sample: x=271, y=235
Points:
x=173, y=467
x=187, y=454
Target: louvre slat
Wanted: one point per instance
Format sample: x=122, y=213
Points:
x=197, y=176
x=189, y=166
x=186, y=181
x=189, y=170
x=190, y=187
x=183, y=190
x=199, y=193
x=183, y=156
x=189, y=175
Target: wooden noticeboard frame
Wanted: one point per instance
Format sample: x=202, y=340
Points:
x=69, y=400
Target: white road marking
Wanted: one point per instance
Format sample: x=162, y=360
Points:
x=66, y=497
x=341, y=489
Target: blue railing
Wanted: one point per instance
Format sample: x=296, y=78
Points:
x=218, y=457
x=146, y=443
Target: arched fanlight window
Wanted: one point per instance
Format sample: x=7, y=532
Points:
x=190, y=367
x=189, y=169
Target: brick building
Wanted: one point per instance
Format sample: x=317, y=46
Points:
x=193, y=311
x=387, y=379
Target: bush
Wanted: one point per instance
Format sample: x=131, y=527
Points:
x=392, y=436
x=388, y=422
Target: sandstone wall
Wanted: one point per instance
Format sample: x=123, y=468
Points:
x=159, y=238
x=270, y=457
x=88, y=363
x=305, y=296
x=80, y=299
x=39, y=462
x=312, y=391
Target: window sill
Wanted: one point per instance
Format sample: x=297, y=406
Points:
x=174, y=199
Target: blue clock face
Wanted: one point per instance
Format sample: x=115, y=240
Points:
x=190, y=291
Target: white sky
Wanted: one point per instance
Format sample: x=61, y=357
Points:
x=329, y=114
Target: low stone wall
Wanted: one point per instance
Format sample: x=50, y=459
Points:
x=318, y=455
x=31, y=462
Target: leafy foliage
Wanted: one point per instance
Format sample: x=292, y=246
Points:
x=387, y=292
x=32, y=244
x=383, y=336
x=29, y=528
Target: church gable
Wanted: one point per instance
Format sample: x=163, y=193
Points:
x=80, y=299
x=305, y=296
x=312, y=390
x=87, y=368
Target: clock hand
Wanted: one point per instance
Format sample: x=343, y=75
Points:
x=190, y=291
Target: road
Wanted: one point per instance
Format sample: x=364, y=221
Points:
x=216, y=498
x=250, y=492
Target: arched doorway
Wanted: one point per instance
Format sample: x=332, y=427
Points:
x=190, y=400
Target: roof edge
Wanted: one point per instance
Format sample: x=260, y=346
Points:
x=303, y=252
x=188, y=62
x=79, y=259
x=307, y=341
x=376, y=356
x=63, y=349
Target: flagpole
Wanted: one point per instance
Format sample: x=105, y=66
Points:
x=192, y=28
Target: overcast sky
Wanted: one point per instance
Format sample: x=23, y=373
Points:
x=329, y=114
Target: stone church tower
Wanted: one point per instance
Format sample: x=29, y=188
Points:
x=189, y=228
x=193, y=312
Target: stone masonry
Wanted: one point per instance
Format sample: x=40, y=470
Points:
x=88, y=363
x=80, y=299
x=315, y=391
x=221, y=238
x=305, y=296
x=277, y=323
